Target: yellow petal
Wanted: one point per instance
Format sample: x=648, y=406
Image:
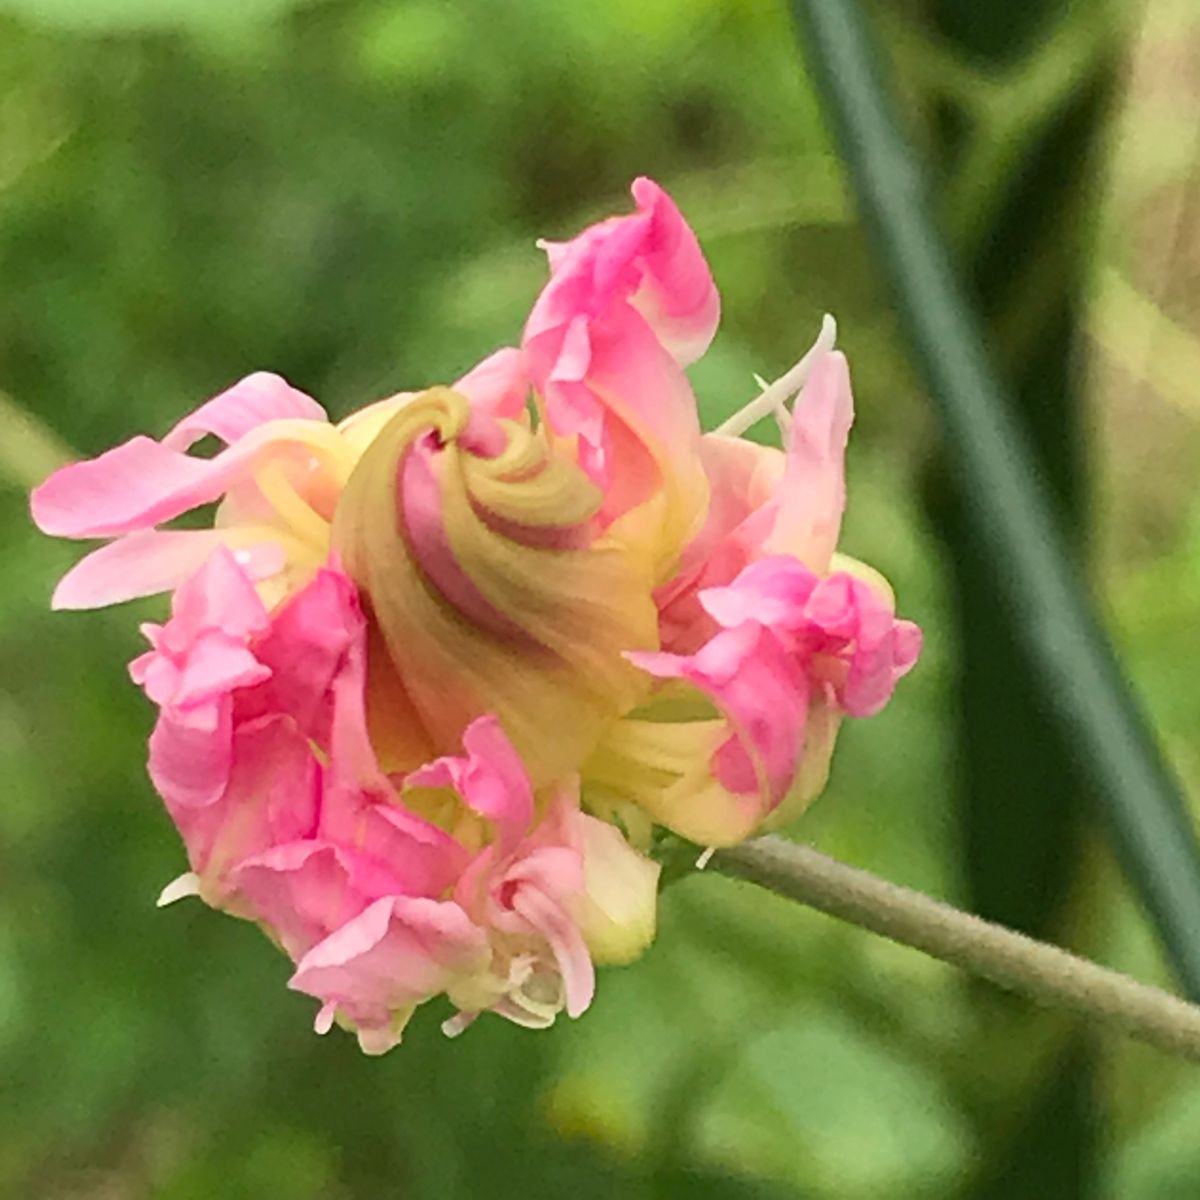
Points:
x=617, y=911
x=540, y=614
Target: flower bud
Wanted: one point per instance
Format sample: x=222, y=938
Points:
x=616, y=913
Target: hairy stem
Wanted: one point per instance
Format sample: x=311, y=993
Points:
x=1046, y=974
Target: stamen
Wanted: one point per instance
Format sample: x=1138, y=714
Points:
x=324, y=1021
x=777, y=394
x=457, y=1024
x=187, y=884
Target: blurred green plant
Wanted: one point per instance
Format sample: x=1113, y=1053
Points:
x=347, y=194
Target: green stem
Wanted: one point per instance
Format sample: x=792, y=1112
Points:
x=1042, y=972
x=1005, y=498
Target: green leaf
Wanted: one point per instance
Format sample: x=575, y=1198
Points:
x=1006, y=500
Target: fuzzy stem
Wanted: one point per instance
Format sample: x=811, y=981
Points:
x=1046, y=974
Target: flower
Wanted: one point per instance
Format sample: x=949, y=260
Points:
x=437, y=672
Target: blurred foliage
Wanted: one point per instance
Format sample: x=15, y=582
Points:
x=348, y=193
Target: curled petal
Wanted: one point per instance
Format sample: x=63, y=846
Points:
x=250, y=402
x=763, y=693
x=499, y=385
x=549, y=918
x=142, y=482
x=743, y=478
x=766, y=502
x=476, y=551
x=651, y=259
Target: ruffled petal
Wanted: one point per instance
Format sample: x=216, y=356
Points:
x=398, y=952
x=490, y=778
x=651, y=259
x=628, y=301
x=763, y=693
x=302, y=891
x=270, y=795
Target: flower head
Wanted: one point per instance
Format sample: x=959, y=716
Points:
x=437, y=672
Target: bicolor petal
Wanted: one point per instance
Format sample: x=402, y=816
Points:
x=476, y=550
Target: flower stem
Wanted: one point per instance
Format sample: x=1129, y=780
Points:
x=1046, y=974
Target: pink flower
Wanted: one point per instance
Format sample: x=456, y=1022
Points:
x=437, y=672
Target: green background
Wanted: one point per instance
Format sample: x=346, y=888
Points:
x=348, y=193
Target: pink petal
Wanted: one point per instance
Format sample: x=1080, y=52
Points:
x=270, y=796
x=219, y=596
x=812, y=496
x=859, y=624
x=143, y=483
x=678, y=296
x=650, y=258
x=499, y=385
x=422, y=859
x=773, y=591
x=312, y=638
x=189, y=766
x=153, y=561
x=250, y=402
x=628, y=301
x=763, y=692
x=305, y=890
x=742, y=479
x=490, y=778
x=397, y=952
x=566, y=943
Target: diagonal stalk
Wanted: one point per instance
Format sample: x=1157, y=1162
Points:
x=1007, y=502
x=1044, y=973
